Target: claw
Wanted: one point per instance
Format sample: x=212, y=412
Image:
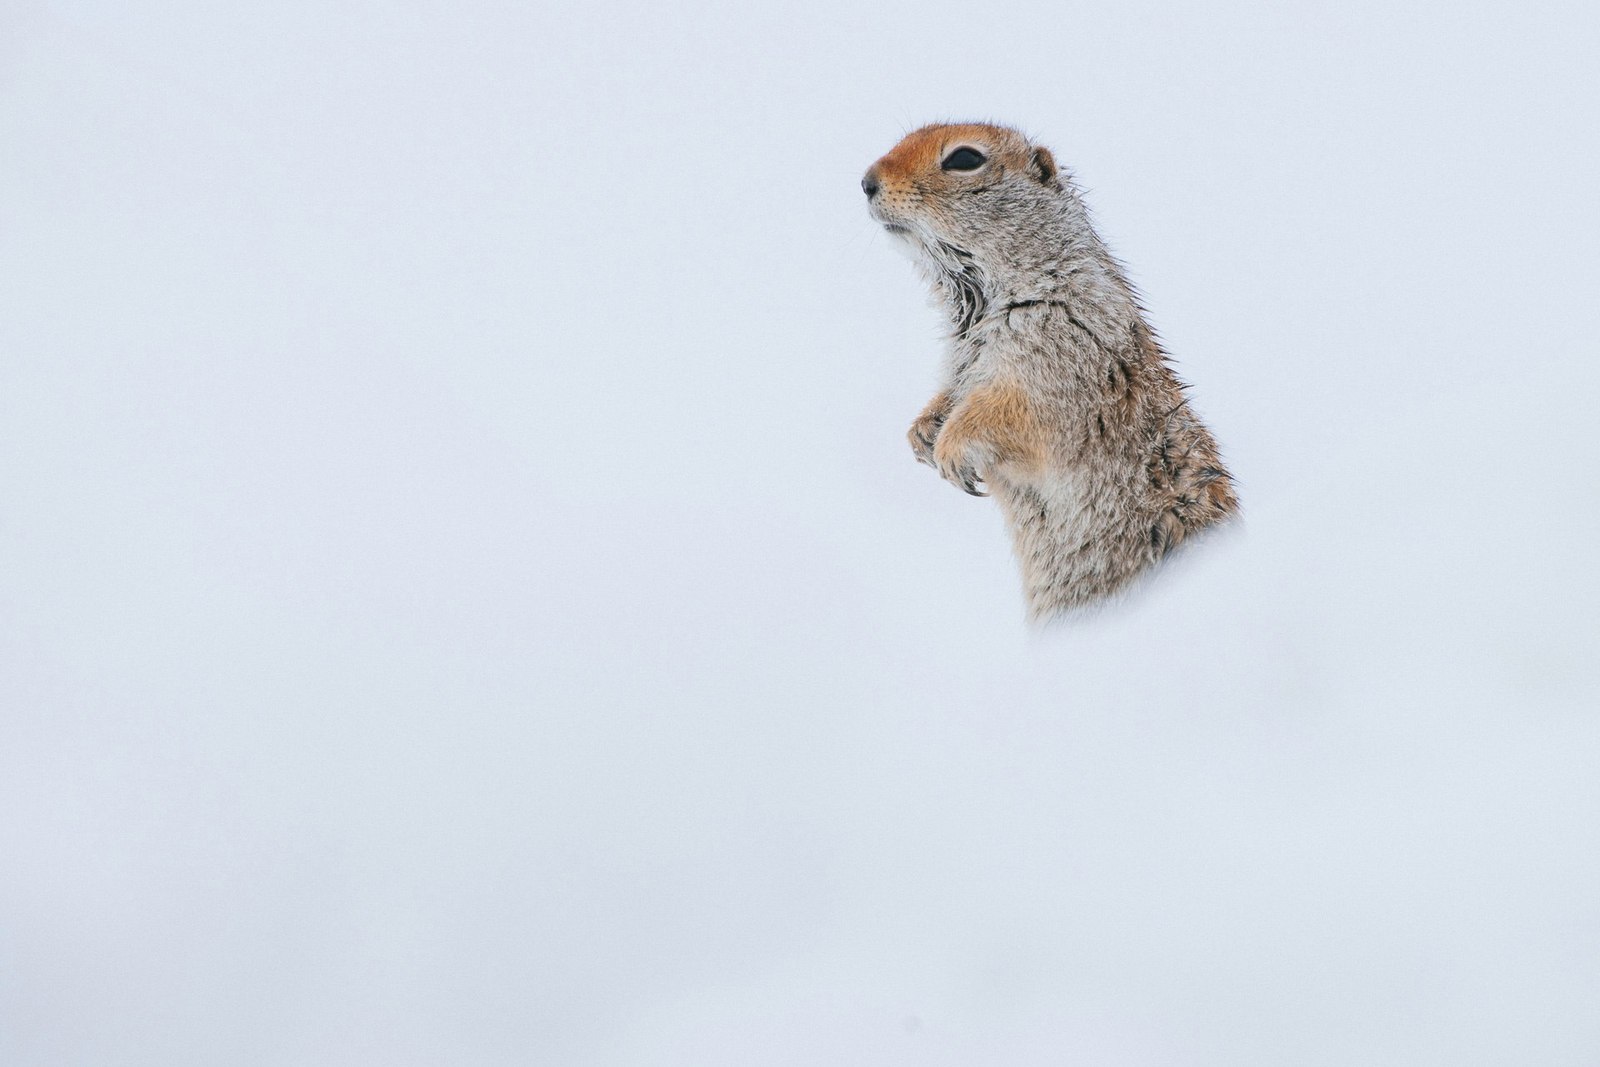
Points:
x=921, y=446
x=967, y=480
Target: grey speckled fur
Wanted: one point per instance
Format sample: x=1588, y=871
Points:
x=1057, y=396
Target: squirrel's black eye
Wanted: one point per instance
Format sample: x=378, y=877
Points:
x=964, y=159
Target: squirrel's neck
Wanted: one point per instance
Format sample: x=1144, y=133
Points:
x=1062, y=262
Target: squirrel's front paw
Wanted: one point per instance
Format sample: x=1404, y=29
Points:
x=923, y=433
x=959, y=464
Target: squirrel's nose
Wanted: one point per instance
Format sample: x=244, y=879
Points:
x=869, y=185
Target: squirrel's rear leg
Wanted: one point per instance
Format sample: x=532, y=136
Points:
x=992, y=428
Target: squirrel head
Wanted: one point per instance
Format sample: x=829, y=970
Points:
x=967, y=196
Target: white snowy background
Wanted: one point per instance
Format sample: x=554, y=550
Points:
x=465, y=596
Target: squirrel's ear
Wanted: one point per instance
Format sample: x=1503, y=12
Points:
x=1043, y=166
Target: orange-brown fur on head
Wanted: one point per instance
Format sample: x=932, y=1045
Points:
x=911, y=178
x=914, y=162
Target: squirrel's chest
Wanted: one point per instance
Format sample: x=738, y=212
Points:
x=981, y=357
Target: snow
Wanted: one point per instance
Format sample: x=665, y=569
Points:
x=467, y=597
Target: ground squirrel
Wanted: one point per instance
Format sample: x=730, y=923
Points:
x=1057, y=396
